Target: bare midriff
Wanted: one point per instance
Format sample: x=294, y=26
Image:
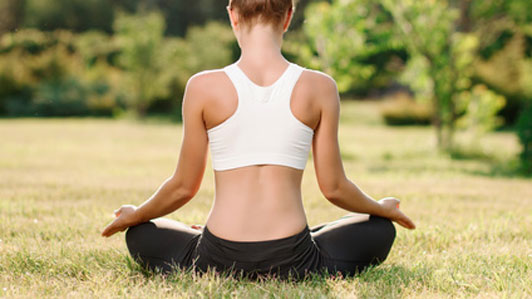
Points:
x=257, y=203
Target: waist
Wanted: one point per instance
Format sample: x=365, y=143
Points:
x=255, y=223
x=256, y=251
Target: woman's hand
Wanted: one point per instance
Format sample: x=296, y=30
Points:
x=125, y=217
x=390, y=206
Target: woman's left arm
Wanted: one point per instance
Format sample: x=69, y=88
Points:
x=178, y=189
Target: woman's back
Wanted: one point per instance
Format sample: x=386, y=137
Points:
x=258, y=202
x=260, y=118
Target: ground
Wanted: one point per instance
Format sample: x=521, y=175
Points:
x=60, y=180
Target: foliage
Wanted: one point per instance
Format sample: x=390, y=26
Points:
x=479, y=109
x=502, y=14
x=157, y=67
x=445, y=57
x=353, y=41
x=505, y=35
x=41, y=74
x=509, y=71
x=86, y=15
x=75, y=15
x=145, y=58
x=208, y=47
x=401, y=109
x=63, y=73
x=440, y=58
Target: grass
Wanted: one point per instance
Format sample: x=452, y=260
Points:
x=60, y=180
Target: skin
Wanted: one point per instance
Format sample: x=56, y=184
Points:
x=260, y=202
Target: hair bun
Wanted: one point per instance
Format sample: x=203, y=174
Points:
x=264, y=11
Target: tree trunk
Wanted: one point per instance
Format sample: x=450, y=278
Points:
x=436, y=122
x=11, y=14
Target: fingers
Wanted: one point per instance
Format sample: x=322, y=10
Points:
x=111, y=229
x=401, y=218
x=409, y=223
x=107, y=232
x=406, y=222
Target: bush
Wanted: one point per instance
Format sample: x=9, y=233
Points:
x=157, y=68
x=479, y=107
x=76, y=15
x=43, y=74
x=509, y=72
x=401, y=109
x=61, y=73
x=64, y=97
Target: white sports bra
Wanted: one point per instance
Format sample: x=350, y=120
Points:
x=262, y=130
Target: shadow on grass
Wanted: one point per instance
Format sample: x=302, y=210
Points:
x=396, y=273
x=390, y=279
x=496, y=167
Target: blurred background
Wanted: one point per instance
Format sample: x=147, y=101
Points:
x=461, y=66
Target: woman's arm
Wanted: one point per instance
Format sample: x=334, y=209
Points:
x=333, y=183
x=178, y=189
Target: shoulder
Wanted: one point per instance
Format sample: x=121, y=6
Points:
x=319, y=80
x=321, y=86
x=208, y=78
x=205, y=86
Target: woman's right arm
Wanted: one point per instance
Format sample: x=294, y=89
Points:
x=179, y=189
x=333, y=183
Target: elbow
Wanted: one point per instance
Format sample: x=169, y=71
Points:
x=333, y=190
x=181, y=192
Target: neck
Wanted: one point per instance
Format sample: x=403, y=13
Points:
x=260, y=44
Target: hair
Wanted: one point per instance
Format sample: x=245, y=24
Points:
x=270, y=12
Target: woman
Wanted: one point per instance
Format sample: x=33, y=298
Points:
x=260, y=116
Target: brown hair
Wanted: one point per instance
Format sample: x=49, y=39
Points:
x=264, y=11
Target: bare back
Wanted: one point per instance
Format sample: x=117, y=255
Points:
x=261, y=202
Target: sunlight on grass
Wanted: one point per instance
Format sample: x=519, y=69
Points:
x=60, y=180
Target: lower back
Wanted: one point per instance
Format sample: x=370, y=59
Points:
x=257, y=203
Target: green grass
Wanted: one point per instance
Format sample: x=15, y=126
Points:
x=60, y=180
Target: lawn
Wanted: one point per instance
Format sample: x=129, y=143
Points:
x=60, y=180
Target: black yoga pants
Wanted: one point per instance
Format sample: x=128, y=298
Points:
x=347, y=246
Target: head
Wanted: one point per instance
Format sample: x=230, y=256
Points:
x=271, y=14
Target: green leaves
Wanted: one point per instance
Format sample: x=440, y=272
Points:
x=155, y=64
x=345, y=35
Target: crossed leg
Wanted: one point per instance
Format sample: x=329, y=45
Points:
x=354, y=242
x=162, y=243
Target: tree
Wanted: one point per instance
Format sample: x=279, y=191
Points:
x=439, y=67
x=11, y=14
x=75, y=15
x=145, y=58
x=354, y=41
x=441, y=53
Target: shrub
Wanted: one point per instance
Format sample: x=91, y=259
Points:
x=76, y=15
x=43, y=74
x=479, y=108
x=401, y=109
x=61, y=73
x=509, y=72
